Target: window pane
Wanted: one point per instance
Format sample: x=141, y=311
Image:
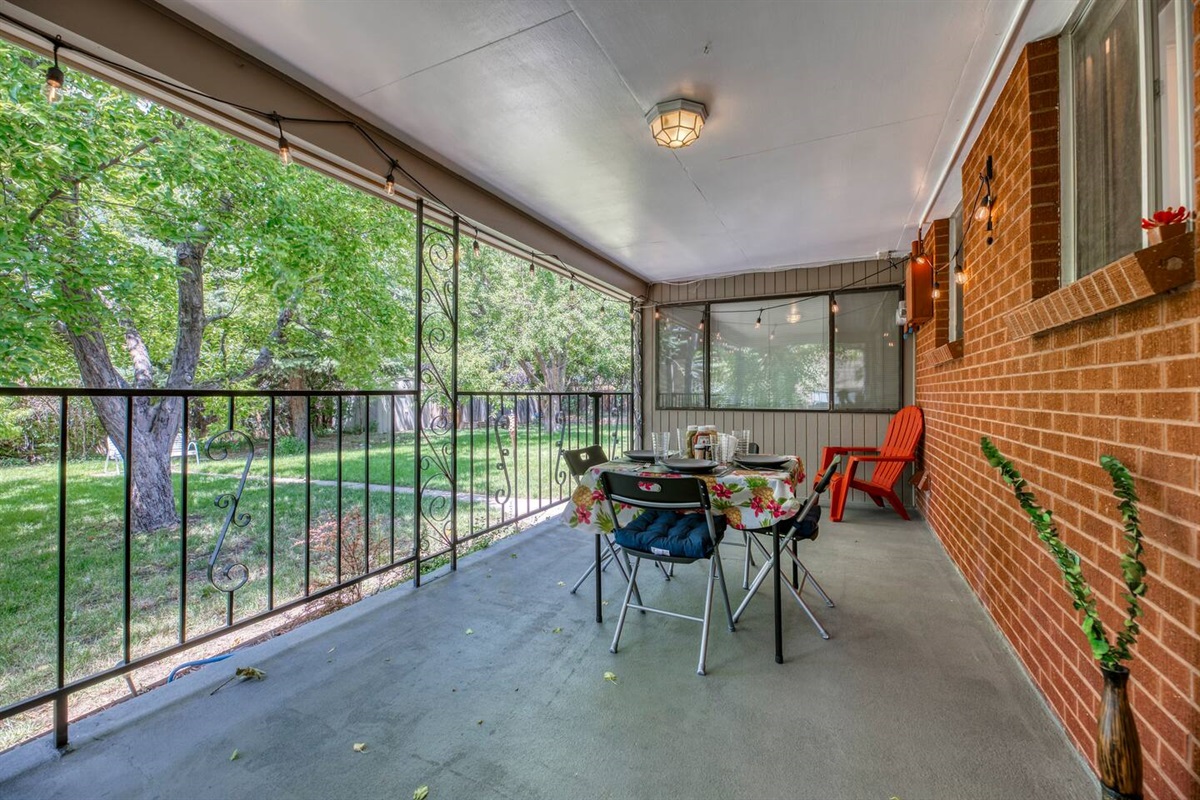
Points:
x=1169, y=103
x=1107, y=135
x=782, y=363
x=680, y=372
x=955, y=261
x=866, y=364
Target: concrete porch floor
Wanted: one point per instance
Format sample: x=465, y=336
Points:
x=914, y=696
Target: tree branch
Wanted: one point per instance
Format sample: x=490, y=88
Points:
x=75, y=181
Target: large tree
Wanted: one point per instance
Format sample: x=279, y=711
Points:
x=537, y=331
x=149, y=251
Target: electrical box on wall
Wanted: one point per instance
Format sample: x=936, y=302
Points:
x=918, y=287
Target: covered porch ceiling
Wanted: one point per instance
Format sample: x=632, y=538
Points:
x=830, y=127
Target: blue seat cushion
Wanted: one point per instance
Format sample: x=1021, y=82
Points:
x=670, y=533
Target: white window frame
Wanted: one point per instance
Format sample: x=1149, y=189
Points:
x=1149, y=81
x=955, y=239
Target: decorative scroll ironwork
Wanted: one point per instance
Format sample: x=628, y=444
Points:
x=501, y=421
x=437, y=385
x=560, y=472
x=229, y=501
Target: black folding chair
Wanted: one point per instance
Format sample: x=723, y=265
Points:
x=801, y=527
x=578, y=463
x=664, y=535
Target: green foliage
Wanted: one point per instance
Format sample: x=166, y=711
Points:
x=101, y=189
x=1110, y=654
x=289, y=446
x=537, y=331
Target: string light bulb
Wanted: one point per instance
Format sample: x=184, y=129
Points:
x=960, y=275
x=285, y=150
x=702, y=321
x=937, y=290
x=834, y=306
x=758, y=322
x=532, y=266
x=657, y=314
x=389, y=183
x=475, y=248
x=52, y=90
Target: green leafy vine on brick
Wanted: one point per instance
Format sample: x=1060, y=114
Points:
x=1133, y=571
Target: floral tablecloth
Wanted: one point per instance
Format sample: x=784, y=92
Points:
x=749, y=498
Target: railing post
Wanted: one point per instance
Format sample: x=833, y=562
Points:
x=595, y=417
x=60, y=702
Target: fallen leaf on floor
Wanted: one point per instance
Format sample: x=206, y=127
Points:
x=421, y=793
x=234, y=756
x=611, y=677
x=603, y=602
x=332, y=648
x=480, y=722
x=562, y=583
x=469, y=631
x=512, y=555
x=360, y=747
x=557, y=630
x=245, y=673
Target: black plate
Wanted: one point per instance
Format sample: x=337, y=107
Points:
x=692, y=466
x=640, y=455
x=755, y=461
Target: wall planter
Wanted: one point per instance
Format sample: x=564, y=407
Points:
x=1118, y=751
x=1161, y=233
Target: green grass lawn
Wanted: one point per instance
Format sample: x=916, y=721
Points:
x=95, y=542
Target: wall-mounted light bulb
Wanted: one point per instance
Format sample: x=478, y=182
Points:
x=981, y=213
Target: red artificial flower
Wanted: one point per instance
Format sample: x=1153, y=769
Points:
x=1168, y=216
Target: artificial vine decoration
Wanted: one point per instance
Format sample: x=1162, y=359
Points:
x=1133, y=571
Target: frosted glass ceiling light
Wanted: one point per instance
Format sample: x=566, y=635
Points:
x=676, y=123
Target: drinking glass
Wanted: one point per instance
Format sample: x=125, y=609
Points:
x=726, y=448
x=660, y=443
x=743, y=442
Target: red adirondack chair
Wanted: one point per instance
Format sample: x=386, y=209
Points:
x=899, y=448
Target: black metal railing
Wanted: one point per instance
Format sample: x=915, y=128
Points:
x=279, y=499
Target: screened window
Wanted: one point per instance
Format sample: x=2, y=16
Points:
x=866, y=357
x=680, y=372
x=1124, y=134
x=776, y=358
x=782, y=354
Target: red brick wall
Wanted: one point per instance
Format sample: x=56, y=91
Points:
x=1126, y=383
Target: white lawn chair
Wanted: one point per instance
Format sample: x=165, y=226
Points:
x=112, y=453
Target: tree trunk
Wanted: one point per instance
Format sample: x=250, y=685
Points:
x=300, y=427
x=153, y=490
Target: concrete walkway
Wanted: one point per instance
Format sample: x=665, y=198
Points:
x=489, y=683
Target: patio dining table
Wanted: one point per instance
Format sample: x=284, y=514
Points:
x=749, y=499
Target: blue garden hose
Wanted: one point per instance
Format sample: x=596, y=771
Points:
x=198, y=663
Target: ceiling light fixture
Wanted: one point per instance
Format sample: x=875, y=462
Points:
x=676, y=123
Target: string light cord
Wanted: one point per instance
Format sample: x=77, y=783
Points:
x=57, y=43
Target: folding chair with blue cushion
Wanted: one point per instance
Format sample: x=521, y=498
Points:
x=661, y=533
x=804, y=526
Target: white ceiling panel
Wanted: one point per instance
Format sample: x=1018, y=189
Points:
x=830, y=121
